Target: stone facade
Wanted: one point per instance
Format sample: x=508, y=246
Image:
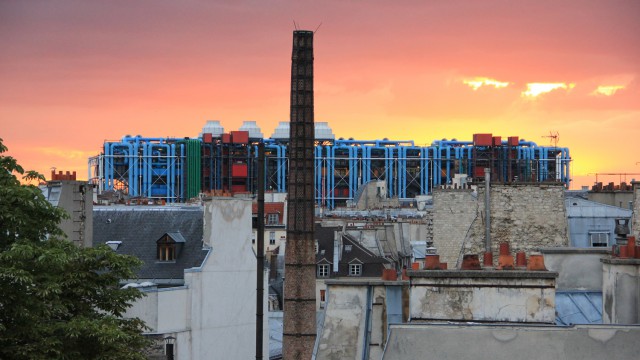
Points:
x=527, y=216
x=635, y=220
x=454, y=213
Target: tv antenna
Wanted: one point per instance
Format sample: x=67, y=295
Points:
x=554, y=137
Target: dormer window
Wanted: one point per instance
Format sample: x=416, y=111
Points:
x=355, y=269
x=273, y=219
x=169, y=246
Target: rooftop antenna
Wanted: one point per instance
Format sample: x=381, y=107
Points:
x=295, y=26
x=316, y=30
x=554, y=137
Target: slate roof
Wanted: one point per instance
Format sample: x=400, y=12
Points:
x=139, y=227
x=578, y=307
x=577, y=207
x=372, y=264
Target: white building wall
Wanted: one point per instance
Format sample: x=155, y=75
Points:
x=223, y=291
x=173, y=310
x=214, y=315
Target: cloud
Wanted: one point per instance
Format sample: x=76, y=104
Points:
x=537, y=89
x=478, y=82
x=607, y=90
x=65, y=153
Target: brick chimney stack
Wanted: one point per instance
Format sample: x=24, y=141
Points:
x=299, y=287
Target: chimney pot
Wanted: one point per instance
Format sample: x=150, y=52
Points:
x=389, y=274
x=521, y=260
x=470, y=262
x=432, y=262
x=504, y=248
x=487, y=259
x=536, y=263
x=505, y=262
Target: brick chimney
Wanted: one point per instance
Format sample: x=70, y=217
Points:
x=299, y=333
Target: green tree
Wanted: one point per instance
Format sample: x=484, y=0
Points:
x=58, y=301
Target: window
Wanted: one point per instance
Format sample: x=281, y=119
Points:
x=599, y=239
x=322, y=298
x=316, y=246
x=169, y=246
x=323, y=270
x=355, y=269
x=272, y=238
x=273, y=219
x=166, y=252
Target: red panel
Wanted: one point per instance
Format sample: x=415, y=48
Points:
x=239, y=170
x=513, y=141
x=207, y=138
x=482, y=139
x=226, y=138
x=240, y=137
x=478, y=172
x=497, y=141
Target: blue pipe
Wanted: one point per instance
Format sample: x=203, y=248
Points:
x=443, y=143
x=318, y=174
x=172, y=175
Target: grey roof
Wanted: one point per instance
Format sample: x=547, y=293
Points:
x=176, y=236
x=352, y=251
x=577, y=207
x=578, y=307
x=139, y=227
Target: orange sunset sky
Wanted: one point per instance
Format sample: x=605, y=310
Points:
x=75, y=73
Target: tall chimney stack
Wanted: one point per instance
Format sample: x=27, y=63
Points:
x=299, y=333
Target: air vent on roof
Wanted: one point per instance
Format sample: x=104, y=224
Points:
x=252, y=128
x=347, y=248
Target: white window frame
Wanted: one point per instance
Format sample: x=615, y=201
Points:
x=272, y=219
x=323, y=270
x=272, y=237
x=599, y=235
x=355, y=269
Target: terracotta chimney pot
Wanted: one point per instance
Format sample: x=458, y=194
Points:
x=536, y=263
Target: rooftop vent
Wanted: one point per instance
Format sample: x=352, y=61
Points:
x=323, y=131
x=213, y=127
x=253, y=129
x=282, y=131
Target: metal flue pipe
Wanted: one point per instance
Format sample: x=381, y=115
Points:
x=487, y=209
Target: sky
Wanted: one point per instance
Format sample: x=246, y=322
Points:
x=75, y=73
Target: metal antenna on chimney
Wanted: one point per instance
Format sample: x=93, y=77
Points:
x=295, y=26
x=316, y=30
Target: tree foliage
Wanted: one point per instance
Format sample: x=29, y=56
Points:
x=58, y=301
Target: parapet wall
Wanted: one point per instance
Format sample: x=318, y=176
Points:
x=484, y=295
